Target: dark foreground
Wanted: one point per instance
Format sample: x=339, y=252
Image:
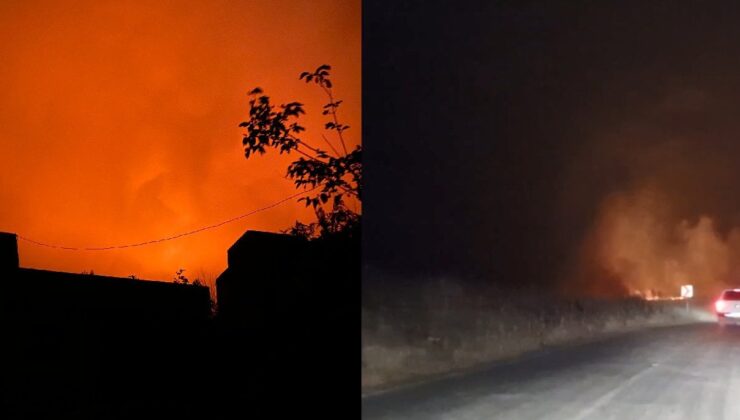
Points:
x=687, y=372
x=189, y=370
x=282, y=344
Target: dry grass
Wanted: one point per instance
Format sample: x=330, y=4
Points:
x=408, y=335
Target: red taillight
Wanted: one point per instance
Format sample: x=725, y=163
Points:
x=719, y=305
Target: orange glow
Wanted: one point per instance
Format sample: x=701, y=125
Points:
x=120, y=123
x=639, y=243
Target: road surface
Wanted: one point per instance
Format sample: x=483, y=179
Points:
x=686, y=372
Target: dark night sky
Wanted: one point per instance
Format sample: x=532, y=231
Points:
x=495, y=130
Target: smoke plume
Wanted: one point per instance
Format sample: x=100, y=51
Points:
x=638, y=249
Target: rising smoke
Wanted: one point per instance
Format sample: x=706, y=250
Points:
x=637, y=246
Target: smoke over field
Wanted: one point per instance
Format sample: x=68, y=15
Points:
x=638, y=247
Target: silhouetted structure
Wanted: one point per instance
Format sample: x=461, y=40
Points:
x=293, y=305
x=88, y=346
x=38, y=294
x=8, y=252
x=263, y=267
x=278, y=279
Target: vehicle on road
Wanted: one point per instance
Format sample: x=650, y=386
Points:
x=727, y=307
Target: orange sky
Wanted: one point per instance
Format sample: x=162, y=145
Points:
x=120, y=123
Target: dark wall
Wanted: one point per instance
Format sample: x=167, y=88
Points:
x=88, y=346
x=263, y=273
x=8, y=252
x=48, y=296
x=293, y=306
x=287, y=284
x=42, y=294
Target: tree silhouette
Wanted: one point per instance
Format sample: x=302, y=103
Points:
x=328, y=175
x=180, y=278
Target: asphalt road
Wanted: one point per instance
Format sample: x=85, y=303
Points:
x=686, y=372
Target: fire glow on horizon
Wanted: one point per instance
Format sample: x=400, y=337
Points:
x=120, y=123
x=634, y=241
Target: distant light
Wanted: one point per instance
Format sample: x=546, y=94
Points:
x=719, y=305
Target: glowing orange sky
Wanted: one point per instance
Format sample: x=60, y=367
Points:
x=120, y=123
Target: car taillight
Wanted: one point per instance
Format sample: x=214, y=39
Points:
x=719, y=305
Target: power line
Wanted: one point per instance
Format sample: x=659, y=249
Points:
x=169, y=238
